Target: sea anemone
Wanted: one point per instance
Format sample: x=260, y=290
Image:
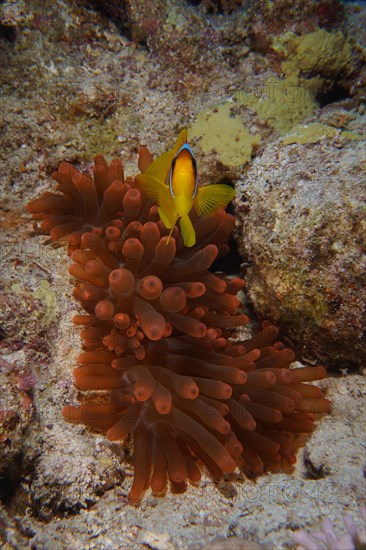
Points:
x=157, y=336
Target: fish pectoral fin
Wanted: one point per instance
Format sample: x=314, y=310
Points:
x=212, y=197
x=167, y=211
x=168, y=216
x=188, y=232
x=160, y=167
x=170, y=234
x=159, y=192
x=152, y=187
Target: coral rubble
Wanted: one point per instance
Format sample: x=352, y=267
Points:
x=156, y=336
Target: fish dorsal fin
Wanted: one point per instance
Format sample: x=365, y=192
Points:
x=160, y=167
x=212, y=197
x=182, y=139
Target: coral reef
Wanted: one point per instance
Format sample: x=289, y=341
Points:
x=302, y=233
x=73, y=84
x=280, y=16
x=219, y=6
x=326, y=538
x=310, y=41
x=16, y=414
x=324, y=62
x=157, y=336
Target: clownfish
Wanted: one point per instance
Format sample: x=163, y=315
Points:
x=172, y=181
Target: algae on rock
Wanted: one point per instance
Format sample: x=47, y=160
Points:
x=224, y=133
x=282, y=103
x=321, y=52
x=48, y=297
x=309, y=133
x=316, y=131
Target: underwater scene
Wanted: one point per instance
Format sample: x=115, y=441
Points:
x=183, y=275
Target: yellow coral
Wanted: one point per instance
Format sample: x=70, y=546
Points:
x=310, y=133
x=282, y=103
x=320, y=52
x=218, y=130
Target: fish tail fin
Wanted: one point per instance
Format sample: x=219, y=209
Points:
x=188, y=232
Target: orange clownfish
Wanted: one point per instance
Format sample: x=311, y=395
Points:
x=172, y=181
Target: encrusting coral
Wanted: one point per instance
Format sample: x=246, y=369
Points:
x=156, y=335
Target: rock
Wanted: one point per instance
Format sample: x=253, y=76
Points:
x=157, y=541
x=301, y=231
x=72, y=473
x=140, y=21
x=232, y=543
